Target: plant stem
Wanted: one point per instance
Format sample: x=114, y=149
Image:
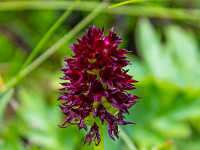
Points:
x=101, y=144
x=48, y=34
x=4, y=99
x=126, y=139
x=53, y=48
x=136, y=10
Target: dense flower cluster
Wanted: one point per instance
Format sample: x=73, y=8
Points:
x=95, y=91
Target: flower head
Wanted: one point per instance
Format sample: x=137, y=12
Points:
x=95, y=90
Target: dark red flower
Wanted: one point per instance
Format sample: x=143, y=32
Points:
x=96, y=84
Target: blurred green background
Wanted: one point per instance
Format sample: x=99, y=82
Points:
x=164, y=38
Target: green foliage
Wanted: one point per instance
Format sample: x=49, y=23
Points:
x=167, y=115
x=169, y=89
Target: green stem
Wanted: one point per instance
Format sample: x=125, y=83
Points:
x=126, y=139
x=101, y=144
x=54, y=48
x=48, y=34
x=4, y=99
x=135, y=10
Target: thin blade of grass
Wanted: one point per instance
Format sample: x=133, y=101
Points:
x=126, y=139
x=138, y=10
x=130, y=1
x=4, y=99
x=48, y=34
x=54, y=48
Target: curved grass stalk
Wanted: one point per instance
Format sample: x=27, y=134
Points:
x=4, y=99
x=126, y=139
x=131, y=1
x=139, y=10
x=48, y=34
x=53, y=48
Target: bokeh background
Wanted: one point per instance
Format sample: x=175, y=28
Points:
x=164, y=38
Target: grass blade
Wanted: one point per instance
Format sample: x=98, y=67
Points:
x=54, y=48
x=126, y=139
x=4, y=99
x=130, y=1
x=147, y=11
x=48, y=34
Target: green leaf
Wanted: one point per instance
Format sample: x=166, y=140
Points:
x=186, y=111
x=171, y=128
x=185, y=55
x=4, y=99
x=150, y=48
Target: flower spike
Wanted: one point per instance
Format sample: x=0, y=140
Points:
x=95, y=85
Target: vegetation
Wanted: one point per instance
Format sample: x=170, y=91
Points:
x=164, y=38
